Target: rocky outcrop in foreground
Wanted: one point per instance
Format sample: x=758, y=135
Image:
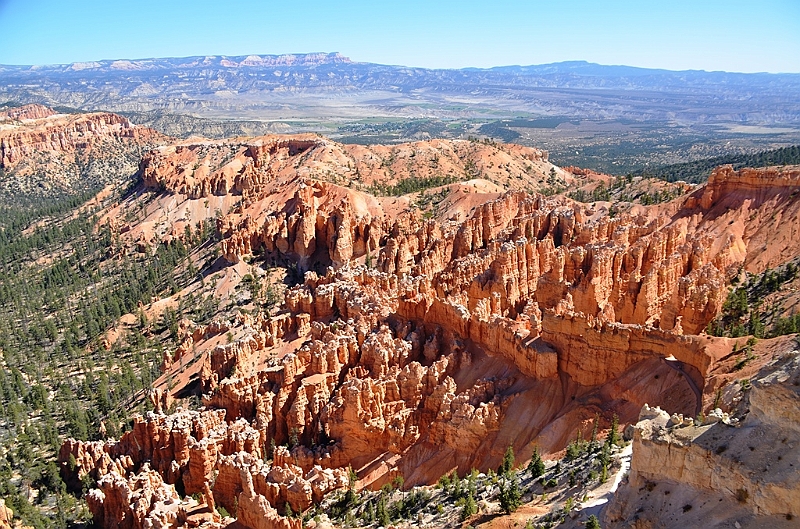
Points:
x=724, y=471
x=417, y=346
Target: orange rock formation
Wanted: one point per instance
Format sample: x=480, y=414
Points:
x=246, y=167
x=513, y=326
x=42, y=130
x=26, y=112
x=6, y=515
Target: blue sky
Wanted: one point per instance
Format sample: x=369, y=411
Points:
x=732, y=35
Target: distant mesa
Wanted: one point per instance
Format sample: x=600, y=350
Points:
x=240, y=61
x=26, y=112
x=45, y=153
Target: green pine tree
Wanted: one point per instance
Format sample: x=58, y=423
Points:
x=510, y=496
x=508, y=462
x=593, y=522
x=536, y=466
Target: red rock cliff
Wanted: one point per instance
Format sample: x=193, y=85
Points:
x=513, y=326
x=50, y=132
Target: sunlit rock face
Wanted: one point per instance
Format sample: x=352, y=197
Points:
x=413, y=346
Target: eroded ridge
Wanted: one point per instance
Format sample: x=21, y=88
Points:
x=416, y=346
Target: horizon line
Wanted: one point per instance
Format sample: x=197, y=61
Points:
x=351, y=61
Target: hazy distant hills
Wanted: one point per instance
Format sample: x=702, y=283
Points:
x=328, y=85
x=610, y=118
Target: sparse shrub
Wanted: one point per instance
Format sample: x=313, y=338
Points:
x=742, y=495
x=352, y=477
x=294, y=438
x=573, y=452
x=576, y=448
x=350, y=497
x=718, y=398
x=87, y=483
x=613, y=433
x=381, y=512
x=593, y=438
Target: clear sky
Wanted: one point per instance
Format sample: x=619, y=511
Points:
x=732, y=35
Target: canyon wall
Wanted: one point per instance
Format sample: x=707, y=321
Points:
x=46, y=155
x=35, y=130
x=415, y=346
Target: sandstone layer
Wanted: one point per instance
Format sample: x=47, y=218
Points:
x=43, y=152
x=26, y=112
x=414, y=346
x=39, y=130
x=721, y=472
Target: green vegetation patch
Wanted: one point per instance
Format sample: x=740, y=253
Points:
x=499, y=130
x=743, y=313
x=63, y=283
x=412, y=185
x=699, y=170
x=623, y=189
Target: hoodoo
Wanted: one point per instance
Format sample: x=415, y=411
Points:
x=412, y=346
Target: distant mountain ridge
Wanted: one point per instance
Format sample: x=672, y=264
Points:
x=576, y=68
x=225, y=61
x=340, y=71
x=273, y=87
